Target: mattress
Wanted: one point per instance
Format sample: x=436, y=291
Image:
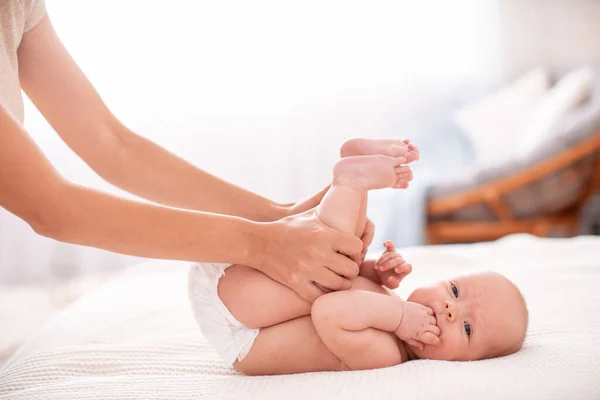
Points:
x=136, y=338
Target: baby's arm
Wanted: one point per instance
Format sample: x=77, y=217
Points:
x=367, y=270
x=355, y=325
x=361, y=327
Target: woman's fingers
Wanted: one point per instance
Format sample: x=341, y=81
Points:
x=306, y=289
x=330, y=280
x=368, y=234
x=347, y=268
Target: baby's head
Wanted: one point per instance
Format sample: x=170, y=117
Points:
x=480, y=316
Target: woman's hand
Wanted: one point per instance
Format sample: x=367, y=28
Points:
x=299, y=251
x=367, y=239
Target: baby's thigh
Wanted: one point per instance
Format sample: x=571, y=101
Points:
x=290, y=347
x=258, y=301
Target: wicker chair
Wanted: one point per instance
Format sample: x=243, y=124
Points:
x=519, y=202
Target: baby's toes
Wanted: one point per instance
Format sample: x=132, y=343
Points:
x=402, y=169
x=397, y=150
x=401, y=184
x=412, y=155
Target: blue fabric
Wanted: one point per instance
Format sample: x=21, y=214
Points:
x=399, y=215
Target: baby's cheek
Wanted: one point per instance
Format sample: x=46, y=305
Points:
x=433, y=353
x=448, y=349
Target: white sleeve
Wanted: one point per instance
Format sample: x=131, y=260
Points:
x=34, y=11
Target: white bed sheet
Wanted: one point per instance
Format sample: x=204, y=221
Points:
x=135, y=338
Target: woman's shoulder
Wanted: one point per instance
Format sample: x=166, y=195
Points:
x=34, y=11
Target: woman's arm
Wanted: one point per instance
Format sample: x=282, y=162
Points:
x=33, y=190
x=70, y=103
x=292, y=251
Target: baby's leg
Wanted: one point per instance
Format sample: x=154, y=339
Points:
x=344, y=205
x=258, y=301
x=290, y=347
x=385, y=147
x=294, y=346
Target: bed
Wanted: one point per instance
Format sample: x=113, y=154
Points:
x=135, y=338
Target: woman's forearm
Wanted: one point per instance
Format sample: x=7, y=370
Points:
x=145, y=169
x=68, y=100
x=91, y=218
x=33, y=190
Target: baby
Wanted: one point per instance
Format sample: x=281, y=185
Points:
x=262, y=327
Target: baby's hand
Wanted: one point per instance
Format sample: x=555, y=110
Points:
x=418, y=326
x=391, y=267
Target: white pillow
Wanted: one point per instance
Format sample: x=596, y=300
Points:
x=569, y=92
x=493, y=124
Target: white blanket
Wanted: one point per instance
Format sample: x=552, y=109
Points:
x=135, y=338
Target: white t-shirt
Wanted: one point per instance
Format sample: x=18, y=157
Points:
x=17, y=17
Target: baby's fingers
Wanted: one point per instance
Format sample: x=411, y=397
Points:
x=391, y=282
x=403, y=269
x=434, y=329
x=390, y=264
x=415, y=343
x=430, y=338
x=389, y=261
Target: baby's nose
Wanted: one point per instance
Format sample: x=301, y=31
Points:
x=451, y=310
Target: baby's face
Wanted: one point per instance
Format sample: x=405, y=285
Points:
x=479, y=316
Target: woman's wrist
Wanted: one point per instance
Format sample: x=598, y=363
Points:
x=259, y=235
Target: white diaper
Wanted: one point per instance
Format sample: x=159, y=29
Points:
x=232, y=339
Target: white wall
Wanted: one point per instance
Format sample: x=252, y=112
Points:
x=556, y=33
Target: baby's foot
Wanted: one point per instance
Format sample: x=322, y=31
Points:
x=372, y=172
x=413, y=152
x=385, y=147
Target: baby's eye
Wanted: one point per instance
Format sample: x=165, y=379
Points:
x=454, y=289
x=468, y=329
